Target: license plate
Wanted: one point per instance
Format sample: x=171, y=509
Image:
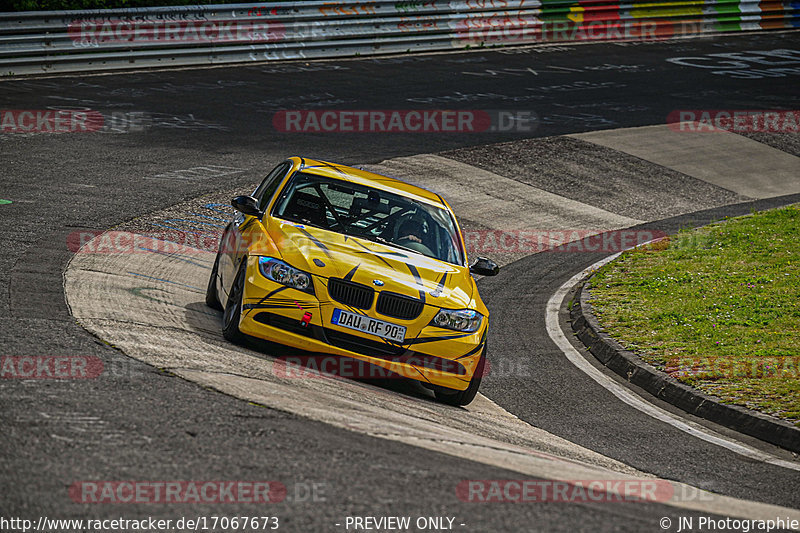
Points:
x=373, y=326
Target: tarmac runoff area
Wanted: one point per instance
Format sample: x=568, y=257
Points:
x=151, y=304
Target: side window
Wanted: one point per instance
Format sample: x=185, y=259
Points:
x=267, y=188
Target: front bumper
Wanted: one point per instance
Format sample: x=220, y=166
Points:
x=302, y=321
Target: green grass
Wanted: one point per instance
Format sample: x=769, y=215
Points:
x=717, y=307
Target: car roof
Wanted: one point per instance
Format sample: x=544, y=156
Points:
x=370, y=179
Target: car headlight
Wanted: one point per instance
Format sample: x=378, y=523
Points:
x=280, y=272
x=459, y=320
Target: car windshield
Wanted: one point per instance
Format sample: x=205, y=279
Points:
x=372, y=214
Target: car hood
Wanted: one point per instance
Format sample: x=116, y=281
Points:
x=329, y=254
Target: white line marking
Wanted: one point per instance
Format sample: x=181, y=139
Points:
x=626, y=395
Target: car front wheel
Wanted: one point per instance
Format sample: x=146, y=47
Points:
x=212, y=298
x=233, y=308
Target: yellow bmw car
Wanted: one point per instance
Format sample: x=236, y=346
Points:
x=334, y=260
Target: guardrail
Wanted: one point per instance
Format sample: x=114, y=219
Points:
x=95, y=40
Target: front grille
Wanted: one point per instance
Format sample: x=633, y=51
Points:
x=399, y=306
x=349, y=293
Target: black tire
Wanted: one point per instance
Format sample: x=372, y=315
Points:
x=463, y=397
x=233, y=309
x=212, y=298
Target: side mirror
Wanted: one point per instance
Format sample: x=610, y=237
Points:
x=247, y=205
x=484, y=267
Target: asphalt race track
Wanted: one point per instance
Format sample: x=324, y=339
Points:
x=348, y=448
